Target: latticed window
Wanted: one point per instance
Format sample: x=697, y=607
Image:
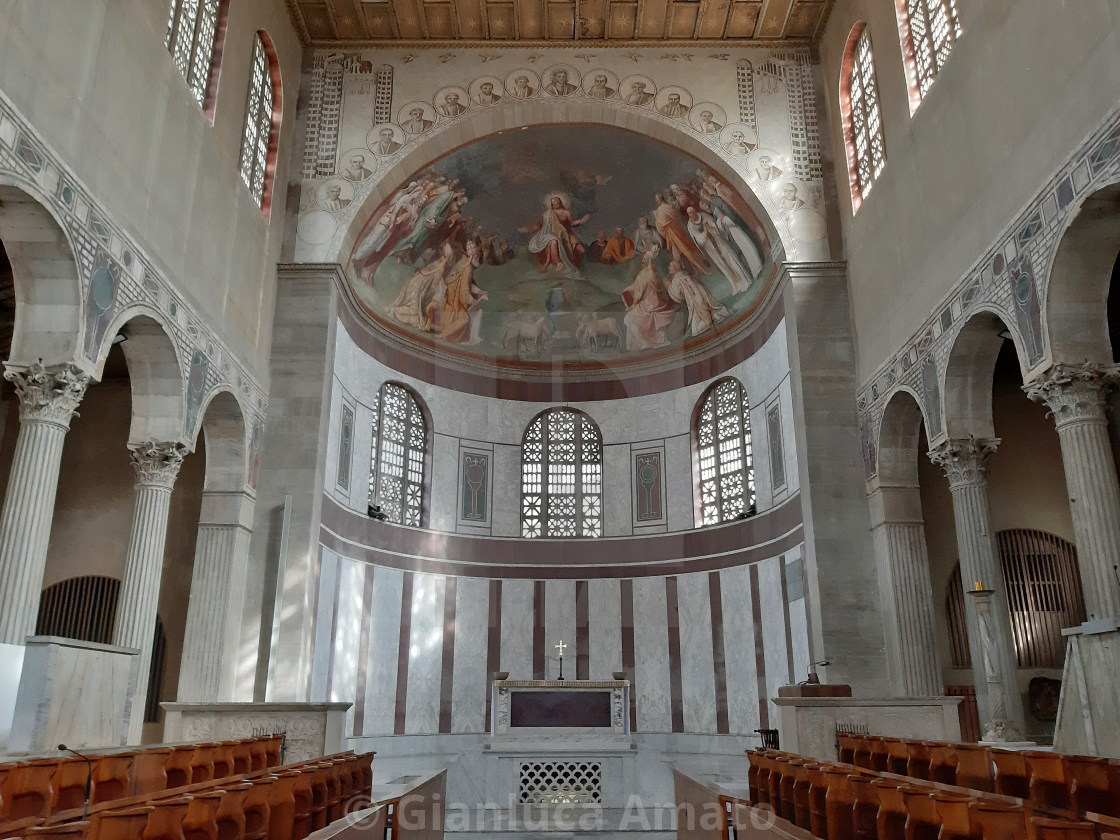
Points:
x=723, y=437
x=258, y=123
x=191, y=29
x=1043, y=595
x=396, y=481
x=864, y=123
x=562, y=476
x=929, y=31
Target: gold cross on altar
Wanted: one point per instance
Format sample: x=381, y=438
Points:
x=560, y=647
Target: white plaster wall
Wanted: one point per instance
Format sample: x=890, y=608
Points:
x=627, y=425
x=1026, y=83
x=95, y=79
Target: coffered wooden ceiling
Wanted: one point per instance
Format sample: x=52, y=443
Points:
x=350, y=23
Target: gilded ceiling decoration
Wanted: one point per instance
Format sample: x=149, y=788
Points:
x=353, y=22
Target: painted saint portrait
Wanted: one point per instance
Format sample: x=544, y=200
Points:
x=525, y=246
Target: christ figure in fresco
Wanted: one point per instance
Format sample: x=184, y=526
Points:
x=554, y=241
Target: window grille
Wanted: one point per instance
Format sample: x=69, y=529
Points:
x=256, y=138
x=561, y=783
x=562, y=476
x=396, y=483
x=929, y=32
x=867, y=151
x=723, y=438
x=1043, y=595
x=191, y=29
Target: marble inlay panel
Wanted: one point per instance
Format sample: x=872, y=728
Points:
x=698, y=685
x=363, y=451
x=773, y=629
x=507, y=491
x=651, y=656
x=798, y=623
x=347, y=635
x=384, y=641
x=738, y=649
x=604, y=621
x=471, y=682
x=324, y=615
x=680, y=495
x=444, y=494
x=425, y=655
x=617, y=518
x=517, y=629
x=560, y=623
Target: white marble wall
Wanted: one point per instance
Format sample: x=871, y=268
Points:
x=362, y=607
x=466, y=421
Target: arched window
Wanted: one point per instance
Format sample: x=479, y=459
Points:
x=194, y=34
x=400, y=437
x=262, y=122
x=928, y=29
x=1043, y=593
x=723, y=450
x=859, y=110
x=562, y=476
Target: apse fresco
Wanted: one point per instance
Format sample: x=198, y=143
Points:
x=586, y=243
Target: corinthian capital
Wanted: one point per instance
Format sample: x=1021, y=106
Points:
x=964, y=459
x=50, y=394
x=157, y=463
x=1074, y=392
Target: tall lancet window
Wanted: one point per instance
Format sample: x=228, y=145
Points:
x=723, y=450
x=928, y=29
x=562, y=476
x=193, y=31
x=863, y=121
x=262, y=123
x=400, y=436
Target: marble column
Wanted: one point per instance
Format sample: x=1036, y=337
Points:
x=48, y=398
x=898, y=534
x=212, y=637
x=1076, y=397
x=157, y=465
x=964, y=463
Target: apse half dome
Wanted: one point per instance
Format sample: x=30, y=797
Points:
x=576, y=251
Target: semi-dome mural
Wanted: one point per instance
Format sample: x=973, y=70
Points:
x=580, y=245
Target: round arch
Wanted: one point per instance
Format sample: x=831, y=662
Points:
x=227, y=444
x=524, y=114
x=1078, y=281
x=154, y=368
x=48, y=288
x=899, y=433
x=969, y=373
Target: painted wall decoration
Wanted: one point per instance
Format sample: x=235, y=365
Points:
x=475, y=489
x=777, y=455
x=345, y=446
x=586, y=243
x=647, y=486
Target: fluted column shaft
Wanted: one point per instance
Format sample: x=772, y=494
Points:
x=157, y=466
x=1076, y=396
x=898, y=534
x=964, y=464
x=48, y=399
x=211, y=640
